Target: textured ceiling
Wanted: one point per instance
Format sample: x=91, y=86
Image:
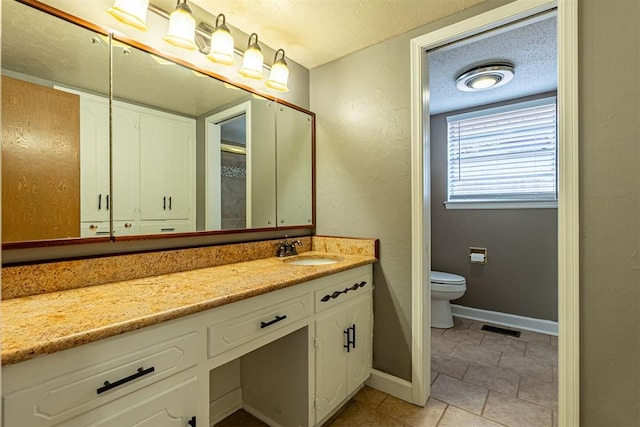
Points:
x=314, y=32
x=530, y=46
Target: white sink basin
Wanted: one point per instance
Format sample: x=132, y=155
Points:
x=312, y=260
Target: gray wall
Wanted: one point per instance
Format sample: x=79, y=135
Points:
x=521, y=276
x=362, y=104
x=363, y=181
x=609, y=52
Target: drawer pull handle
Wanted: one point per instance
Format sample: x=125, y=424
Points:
x=141, y=372
x=336, y=294
x=192, y=421
x=168, y=229
x=271, y=322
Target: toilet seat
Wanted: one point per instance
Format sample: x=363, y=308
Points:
x=439, y=277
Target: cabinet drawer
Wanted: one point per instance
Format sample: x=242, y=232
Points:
x=161, y=227
x=254, y=323
x=94, y=229
x=66, y=395
x=346, y=288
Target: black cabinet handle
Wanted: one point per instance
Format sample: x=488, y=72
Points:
x=350, y=332
x=99, y=201
x=169, y=202
x=168, y=229
x=336, y=294
x=192, y=421
x=141, y=372
x=353, y=331
x=164, y=203
x=107, y=202
x=271, y=322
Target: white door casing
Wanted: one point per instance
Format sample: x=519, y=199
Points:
x=568, y=215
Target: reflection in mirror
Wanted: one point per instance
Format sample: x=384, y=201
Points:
x=47, y=153
x=228, y=206
x=294, y=157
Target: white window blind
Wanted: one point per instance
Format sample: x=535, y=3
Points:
x=503, y=154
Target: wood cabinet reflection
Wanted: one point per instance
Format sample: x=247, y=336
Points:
x=40, y=162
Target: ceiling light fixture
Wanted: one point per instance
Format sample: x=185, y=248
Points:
x=131, y=12
x=221, y=43
x=279, y=73
x=215, y=42
x=182, y=27
x=253, y=59
x=485, y=77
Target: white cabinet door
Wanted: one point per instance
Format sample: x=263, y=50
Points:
x=343, y=352
x=94, y=159
x=178, y=168
x=360, y=355
x=153, y=194
x=125, y=164
x=331, y=366
x=166, y=168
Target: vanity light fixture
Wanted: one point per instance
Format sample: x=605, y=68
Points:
x=182, y=27
x=485, y=77
x=222, y=45
x=253, y=59
x=279, y=73
x=131, y=12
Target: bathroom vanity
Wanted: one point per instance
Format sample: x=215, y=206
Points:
x=288, y=343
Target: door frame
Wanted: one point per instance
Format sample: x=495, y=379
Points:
x=212, y=184
x=568, y=201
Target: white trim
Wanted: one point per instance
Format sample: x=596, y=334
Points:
x=533, y=204
x=396, y=387
x=224, y=406
x=514, y=321
x=568, y=217
x=568, y=210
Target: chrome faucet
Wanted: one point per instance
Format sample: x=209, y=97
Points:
x=288, y=247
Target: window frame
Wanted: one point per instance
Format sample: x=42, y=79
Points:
x=506, y=203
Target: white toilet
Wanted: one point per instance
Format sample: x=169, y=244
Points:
x=444, y=288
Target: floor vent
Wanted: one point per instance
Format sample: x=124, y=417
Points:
x=502, y=331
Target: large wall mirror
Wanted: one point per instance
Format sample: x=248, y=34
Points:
x=189, y=153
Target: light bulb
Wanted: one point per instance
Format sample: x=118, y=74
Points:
x=182, y=28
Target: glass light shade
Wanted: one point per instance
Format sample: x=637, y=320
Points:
x=253, y=59
x=221, y=46
x=131, y=12
x=182, y=28
x=279, y=74
x=484, y=82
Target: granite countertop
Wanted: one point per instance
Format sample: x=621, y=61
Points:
x=41, y=324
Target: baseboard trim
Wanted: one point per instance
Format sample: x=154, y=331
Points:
x=396, y=387
x=224, y=406
x=514, y=321
x=259, y=415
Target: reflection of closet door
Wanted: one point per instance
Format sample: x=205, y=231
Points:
x=94, y=155
x=40, y=162
x=125, y=164
x=153, y=158
x=166, y=158
x=178, y=170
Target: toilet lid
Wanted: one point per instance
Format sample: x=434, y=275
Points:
x=447, y=278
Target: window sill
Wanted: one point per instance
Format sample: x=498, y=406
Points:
x=534, y=204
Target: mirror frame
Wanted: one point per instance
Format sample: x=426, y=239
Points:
x=194, y=234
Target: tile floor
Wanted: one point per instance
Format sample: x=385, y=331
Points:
x=478, y=378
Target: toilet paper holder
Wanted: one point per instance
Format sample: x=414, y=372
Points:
x=477, y=255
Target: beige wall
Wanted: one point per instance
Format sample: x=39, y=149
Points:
x=609, y=48
x=363, y=154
